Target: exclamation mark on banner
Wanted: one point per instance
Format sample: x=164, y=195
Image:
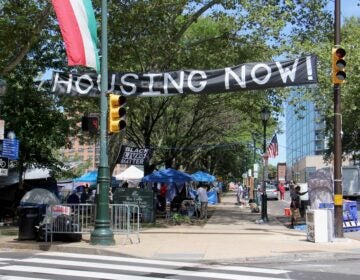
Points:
x=309, y=68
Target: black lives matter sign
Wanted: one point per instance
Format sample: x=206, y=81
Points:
x=133, y=155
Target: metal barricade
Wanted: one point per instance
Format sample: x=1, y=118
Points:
x=125, y=219
x=80, y=219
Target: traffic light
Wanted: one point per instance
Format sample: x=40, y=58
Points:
x=116, y=113
x=338, y=65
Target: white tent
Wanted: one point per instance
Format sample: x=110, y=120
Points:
x=36, y=173
x=131, y=173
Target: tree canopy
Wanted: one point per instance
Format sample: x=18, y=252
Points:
x=162, y=35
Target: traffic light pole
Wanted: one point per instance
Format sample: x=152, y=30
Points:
x=338, y=209
x=102, y=234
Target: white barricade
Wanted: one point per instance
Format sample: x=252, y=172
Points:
x=80, y=219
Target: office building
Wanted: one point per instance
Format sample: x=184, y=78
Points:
x=305, y=140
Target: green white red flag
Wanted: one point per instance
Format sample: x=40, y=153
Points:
x=78, y=28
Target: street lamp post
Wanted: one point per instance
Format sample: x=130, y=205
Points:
x=3, y=86
x=253, y=169
x=265, y=115
x=102, y=234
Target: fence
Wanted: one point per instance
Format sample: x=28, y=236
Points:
x=77, y=219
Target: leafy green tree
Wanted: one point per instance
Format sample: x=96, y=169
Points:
x=162, y=35
x=28, y=47
x=205, y=35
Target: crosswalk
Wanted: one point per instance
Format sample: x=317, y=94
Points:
x=59, y=265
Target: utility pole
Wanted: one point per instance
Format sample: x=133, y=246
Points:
x=338, y=197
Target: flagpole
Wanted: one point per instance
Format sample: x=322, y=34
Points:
x=102, y=234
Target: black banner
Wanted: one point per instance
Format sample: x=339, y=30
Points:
x=249, y=76
x=133, y=156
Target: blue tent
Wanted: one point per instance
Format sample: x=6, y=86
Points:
x=201, y=176
x=91, y=177
x=167, y=176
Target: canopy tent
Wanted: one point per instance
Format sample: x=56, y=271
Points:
x=36, y=173
x=201, y=176
x=91, y=178
x=131, y=173
x=167, y=176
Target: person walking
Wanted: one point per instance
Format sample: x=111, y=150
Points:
x=203, y=198
x=282, y=191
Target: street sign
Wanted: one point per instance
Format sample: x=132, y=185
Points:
x=11, y=148
x=4, y=166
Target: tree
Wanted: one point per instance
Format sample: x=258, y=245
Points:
x=169, y=36
x=161, y=35
x=27, y=51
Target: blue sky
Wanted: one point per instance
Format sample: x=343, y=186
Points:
x=348, y=8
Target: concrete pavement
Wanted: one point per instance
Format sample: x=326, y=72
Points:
x=229, y=235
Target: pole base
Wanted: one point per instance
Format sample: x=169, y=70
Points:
x=102, y=236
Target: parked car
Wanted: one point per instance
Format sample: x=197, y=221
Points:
x=271, y=191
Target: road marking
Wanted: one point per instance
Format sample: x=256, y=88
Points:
x=74, y=273
x=97, y=265
x=165, y=263
x=20, y=278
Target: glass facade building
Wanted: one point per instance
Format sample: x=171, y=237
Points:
x=305, y=132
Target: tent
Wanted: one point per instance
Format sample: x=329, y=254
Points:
x=91, y=178
x=39, y=196
x=167, y=176
x=36, y=173
x=131, y=173
x=201, y=176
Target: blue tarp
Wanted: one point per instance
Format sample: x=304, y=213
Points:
x=91, y=177
x=212, y=196
x=167, y=176
x=201, y=176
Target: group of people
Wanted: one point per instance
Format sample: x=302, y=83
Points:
x=81, y=194
x=165, y=199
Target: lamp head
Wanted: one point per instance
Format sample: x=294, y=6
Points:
x=265, y=114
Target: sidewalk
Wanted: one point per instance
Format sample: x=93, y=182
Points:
x=229, y=235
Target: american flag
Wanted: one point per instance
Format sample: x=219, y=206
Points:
x=273, y=149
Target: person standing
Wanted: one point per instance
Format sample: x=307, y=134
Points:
x=295, y=204
x=203, y=198
x=282, y=191
x=73, y=198
x=162, y=196
x=239, y=193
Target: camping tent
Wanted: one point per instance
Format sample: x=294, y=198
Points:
x=201, y=176
x=167, y=176
x=131, y=173
x=39, y=196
